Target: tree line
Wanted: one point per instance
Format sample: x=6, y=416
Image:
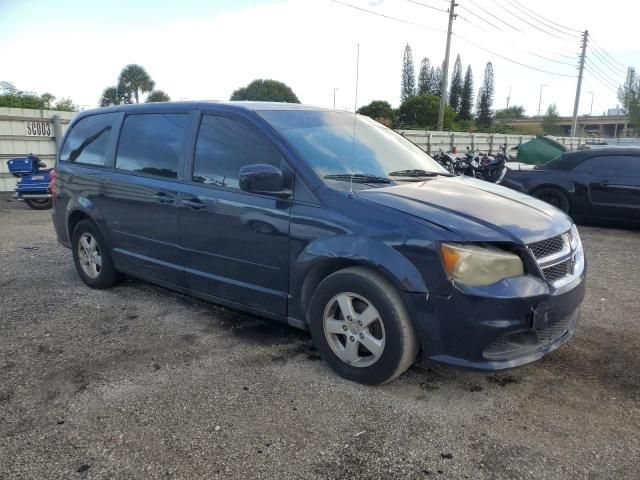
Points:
x=133, y=82
x=11, y=96
x=420, y=98
x=465, y=111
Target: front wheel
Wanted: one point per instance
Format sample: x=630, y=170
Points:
x=361, y=327
x=39, y=203
x=553, y=197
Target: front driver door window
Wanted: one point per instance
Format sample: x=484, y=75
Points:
x=236, y=243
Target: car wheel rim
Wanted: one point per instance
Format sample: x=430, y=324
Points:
x=551, y=199
x=89, y=255
x=354, y=330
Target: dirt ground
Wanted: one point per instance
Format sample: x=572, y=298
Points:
x=140, y=382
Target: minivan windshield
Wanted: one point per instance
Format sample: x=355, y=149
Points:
x=325, y=141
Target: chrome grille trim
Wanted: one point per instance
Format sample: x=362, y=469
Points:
x=548, y=247
x=556, y=260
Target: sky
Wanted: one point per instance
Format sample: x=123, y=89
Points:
x=205, y=49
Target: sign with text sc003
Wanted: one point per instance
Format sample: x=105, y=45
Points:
x=38, y=129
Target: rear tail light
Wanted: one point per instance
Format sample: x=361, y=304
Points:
x=52, y=183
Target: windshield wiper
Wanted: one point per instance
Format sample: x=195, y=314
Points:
x=358, y=178
x=416, y=172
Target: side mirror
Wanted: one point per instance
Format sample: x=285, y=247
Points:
x=262, y=178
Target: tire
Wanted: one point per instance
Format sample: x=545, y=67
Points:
x=39, y=204
x=553, y=197
x=390, y=330
x=95, y=274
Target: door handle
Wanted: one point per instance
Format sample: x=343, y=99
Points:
x=194, y=203
x=163, y=197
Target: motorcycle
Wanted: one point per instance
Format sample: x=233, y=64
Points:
x=482, y=166
x=492, y=169
x=446, y=160
x=33, y=186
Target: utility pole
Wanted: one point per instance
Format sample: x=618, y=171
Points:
x=540, y=99
x=574, y=125
x=445, y=68
x=509, y=97
x=334, y=98
x=591, y=108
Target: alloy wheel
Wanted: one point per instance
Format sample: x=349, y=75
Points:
x=89, y=255
x=354, y=330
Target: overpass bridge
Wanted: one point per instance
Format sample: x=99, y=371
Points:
x=588, y=125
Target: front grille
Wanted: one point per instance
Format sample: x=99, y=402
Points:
x=516, y=344
x=556, y=272
x=547, y=247
x=555, y=257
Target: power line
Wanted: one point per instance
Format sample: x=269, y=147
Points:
x=595, y=69
x=389, y=17
x=488, y=13
x=535, y=19
x=602, y=82
x=427, y=6
x=606, y=75
x=470, y=22
x=602, y=79
x=570, y=57
x=603, y=59
x=481, y=18
x=609, y=55
x=546, y=19
x=510, y=59
x=524, y=49
x=527, y=22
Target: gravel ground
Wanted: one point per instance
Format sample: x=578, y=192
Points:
x=140, y=382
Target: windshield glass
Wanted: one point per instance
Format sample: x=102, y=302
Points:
x=325, y=140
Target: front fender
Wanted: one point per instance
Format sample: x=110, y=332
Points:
x=323, y=256
x=365, y=251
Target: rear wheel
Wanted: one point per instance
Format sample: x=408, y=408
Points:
x=92, y=258
x=39, y=203
x=553, y=197
x=361, y=328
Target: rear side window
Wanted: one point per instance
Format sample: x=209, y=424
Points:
x=152, y=143
x=88, y=140
x=612, y=165
x=224, y=146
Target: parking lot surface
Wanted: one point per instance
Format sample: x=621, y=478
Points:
x=141, y=382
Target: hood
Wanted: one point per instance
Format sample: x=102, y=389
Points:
x=474, y=210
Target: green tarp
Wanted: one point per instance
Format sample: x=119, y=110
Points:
x=540, y=150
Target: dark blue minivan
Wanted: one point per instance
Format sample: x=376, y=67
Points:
x=324, y=220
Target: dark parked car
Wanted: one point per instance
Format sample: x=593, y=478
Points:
x=599, y=184
x=277, y=210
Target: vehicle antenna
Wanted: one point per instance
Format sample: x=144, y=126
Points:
x=355, y=109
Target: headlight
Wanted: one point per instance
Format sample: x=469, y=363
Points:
x=574, y=238
x=478, y=266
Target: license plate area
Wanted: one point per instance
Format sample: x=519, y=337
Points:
x=542, y=316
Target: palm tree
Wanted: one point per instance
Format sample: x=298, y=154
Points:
x=158, y=96
x=109, y=97
x=135, y=80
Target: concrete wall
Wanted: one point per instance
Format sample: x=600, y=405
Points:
x=436, y=142
x=24, y=131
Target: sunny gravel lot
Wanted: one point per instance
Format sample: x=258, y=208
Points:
x=140, y=382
